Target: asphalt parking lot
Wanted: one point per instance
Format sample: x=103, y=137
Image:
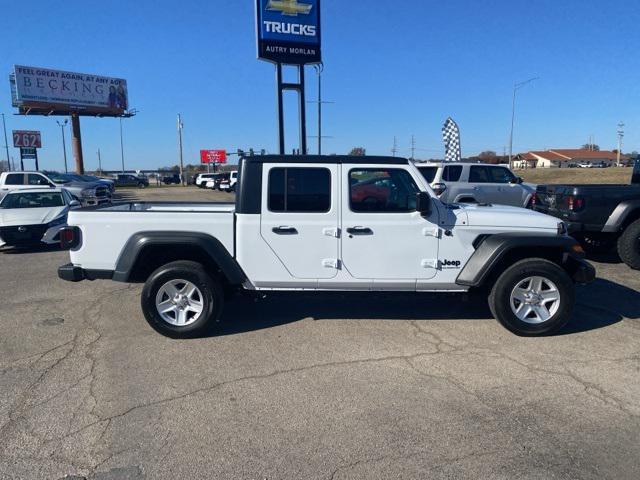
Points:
x=304, y=386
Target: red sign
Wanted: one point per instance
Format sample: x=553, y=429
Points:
x=27, y=138
x=213, y=156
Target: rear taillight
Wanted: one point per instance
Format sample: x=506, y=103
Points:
x=574, y=204
x=69, y=237
x=439, y=188
x=533, y=200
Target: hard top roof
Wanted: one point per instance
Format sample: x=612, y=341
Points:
x=334, y=159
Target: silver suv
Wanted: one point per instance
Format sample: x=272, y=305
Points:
x=463, y=182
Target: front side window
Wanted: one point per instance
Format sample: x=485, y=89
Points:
x=299, y=190
x=14, y=179
x=35, y=179
x=501, y=175
x=32, y=200
x=451, y=173
x=479, y=174
x=382, y=190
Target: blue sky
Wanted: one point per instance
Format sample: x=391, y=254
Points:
x=392, y=68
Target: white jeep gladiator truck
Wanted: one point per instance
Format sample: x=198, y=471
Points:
x=328, y=223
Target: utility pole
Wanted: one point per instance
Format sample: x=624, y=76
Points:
x=99, y=162
x=76, y=143
x=413, y=147
x=516, y=87
x=394, y=149
x=180, y=126
x=620, y=135
x=6, y=144
x=64, y=146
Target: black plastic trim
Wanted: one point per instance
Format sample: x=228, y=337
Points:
x=619, y=215
x=210, y=245
x=74, y=273
x=495, y=247
x=333, y=159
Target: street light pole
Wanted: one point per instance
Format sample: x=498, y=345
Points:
x=319, y=67
x=516, y=87
x=620, y=135
x=64, y=146
x=180, y=126
x=6, y=144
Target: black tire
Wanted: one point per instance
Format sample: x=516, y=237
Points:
x=212, y=298
x=629, y=245
x=597, y=242
x=500, y=297
x=141, y=185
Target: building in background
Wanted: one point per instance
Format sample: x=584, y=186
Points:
x=567, y=158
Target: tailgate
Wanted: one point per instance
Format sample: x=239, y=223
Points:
x=551, y=199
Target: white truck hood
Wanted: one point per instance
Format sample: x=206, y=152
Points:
x=506, y=216
x=29, y=216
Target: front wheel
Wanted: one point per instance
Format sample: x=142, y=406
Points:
x=629, y=245
x=180, y=299
x=533, y=297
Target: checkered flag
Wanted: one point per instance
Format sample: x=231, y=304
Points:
x=451, y=137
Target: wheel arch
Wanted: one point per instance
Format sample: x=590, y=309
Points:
x=146, y=251
x=622, y=216
x=496, y=252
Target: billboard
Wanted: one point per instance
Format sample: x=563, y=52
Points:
x=213, y=156
x=27, y=138
x=43, y=90
x=288, y=31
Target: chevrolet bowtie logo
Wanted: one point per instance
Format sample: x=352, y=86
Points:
x=289, y=7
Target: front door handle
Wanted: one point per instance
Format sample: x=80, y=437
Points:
x=284, y=230
x=359, y=231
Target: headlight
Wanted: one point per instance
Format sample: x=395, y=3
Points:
x=58, y=221
x=562, y=228
x=88, y=192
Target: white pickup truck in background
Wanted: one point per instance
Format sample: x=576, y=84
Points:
x=328, y=223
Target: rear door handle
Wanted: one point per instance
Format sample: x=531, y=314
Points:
x=359, y=231
x=284, y=230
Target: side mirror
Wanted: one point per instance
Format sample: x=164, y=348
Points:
x=517, y=180
x=439, y=188
x=74, y=204
x=423, y=203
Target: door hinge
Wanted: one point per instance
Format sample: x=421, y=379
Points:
x=331, y=263
x=331, y=232
x=429, y=263
x=431, y=232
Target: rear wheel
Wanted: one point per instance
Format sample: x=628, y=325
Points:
x=533, y=297
x=181, y=300
x=629, y=245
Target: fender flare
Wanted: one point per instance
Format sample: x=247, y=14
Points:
x=620, y=214
x=209, y=244
x=494, y=247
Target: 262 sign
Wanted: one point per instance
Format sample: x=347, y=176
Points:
x=27, y=138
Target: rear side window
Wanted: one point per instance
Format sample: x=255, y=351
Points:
x=299, y=190
x=478, y=174
x=429, y=173
x=14, y=179
x=451, y=173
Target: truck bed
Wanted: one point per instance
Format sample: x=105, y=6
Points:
x=106, y=230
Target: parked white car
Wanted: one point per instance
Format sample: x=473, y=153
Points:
x=203, y=178
x=464, y=182
x=229, y=184
x=35, y=215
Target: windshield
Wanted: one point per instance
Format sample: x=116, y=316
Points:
x=32, y=200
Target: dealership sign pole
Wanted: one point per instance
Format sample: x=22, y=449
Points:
x=288, y=33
